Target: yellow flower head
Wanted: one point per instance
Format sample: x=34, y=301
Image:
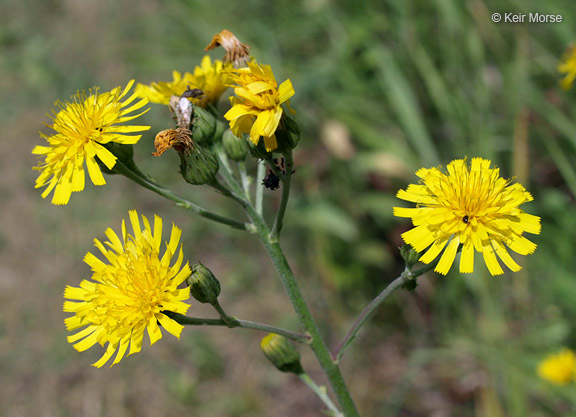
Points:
x=568, y=66
x=559, y=368
x=128, y=294
x=82, y=127
x=257, y=109
x=471, y=206
x=207, y=84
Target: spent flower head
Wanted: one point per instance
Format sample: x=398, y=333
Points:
x=472, y=206
x=130, y=293
x=558, y=368
x=83, y=126
x=257, y=107
x=237, y=53
x=208, y=81
x=568, y=66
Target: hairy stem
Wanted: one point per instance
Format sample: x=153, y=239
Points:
x=403, y=279
x=321, y=393
x=272, y=247
x=233, y=322
x=286, y=180
x=146, y=182
x=259, y=186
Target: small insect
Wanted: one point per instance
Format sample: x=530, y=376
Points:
x=183, y=111
x=465, y=219
x=271, y=181
x=192, y=93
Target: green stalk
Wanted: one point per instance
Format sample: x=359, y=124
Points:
x=230, y=321
x=233, y=322
x=139, y=178
x=286, y=180
x=244, y=178
x=259, y=187
x=320, y=393
x=365, y=315
x=329, y=366
x=399, y=282
x=317, y=343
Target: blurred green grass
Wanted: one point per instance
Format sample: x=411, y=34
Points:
x=382, y=89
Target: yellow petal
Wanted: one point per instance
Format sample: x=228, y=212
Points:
x=448, y=256
x=170, y=325
x=419, y=238
x=491, y=262
x=505, y=256
x=94, y=172
x=467, y=258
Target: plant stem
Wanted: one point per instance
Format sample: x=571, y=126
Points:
x=226, y=172
x=365, y=315
x=144, y=181
x=317, y=343
x=286, y=179
x=406, y=276
x=225, y=317
x=320, y=393
x=259, y=186
x=245, y=179
x=244, y=324
x=329, y=366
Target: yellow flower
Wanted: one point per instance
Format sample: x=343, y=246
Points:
x=83, y=126
x=558, y=368
x=568, y=66
x=208, y=79
x=130, y=293
x=257, y=109
x=469, y=206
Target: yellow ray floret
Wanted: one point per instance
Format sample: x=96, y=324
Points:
x=82, y=127
x=128, y=295
x=472, y=206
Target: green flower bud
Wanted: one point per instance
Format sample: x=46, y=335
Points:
x=281, y=353
x=234, y=147
x=204, y=286
x=203, y=126
x=287, y=134
x=221, y=127
x=198, y=165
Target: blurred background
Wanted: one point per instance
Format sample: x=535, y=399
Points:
x=382, y=89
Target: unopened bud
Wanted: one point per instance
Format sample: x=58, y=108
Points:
x=287, y=134
x=198, y=165
x=281, y=353
x=234, y=147
x=221, y=127
x=203, y=126
x=204, y=286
